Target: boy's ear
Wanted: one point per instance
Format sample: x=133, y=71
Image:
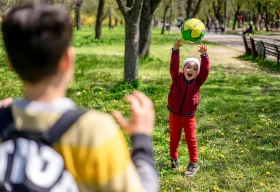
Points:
x=67, y=60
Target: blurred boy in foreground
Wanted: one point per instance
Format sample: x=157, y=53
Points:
x=37, y=40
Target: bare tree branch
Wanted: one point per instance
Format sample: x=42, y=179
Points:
x=124, y=9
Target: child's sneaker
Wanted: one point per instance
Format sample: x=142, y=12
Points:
x=175, y=165
x=192, y=169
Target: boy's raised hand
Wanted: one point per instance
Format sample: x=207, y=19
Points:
x=142, y=119
x=177, y=44
x=202, y=49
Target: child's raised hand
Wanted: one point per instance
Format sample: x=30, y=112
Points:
x=177, y=44
x=202, y=49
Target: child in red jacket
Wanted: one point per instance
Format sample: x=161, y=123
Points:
x=183, y=100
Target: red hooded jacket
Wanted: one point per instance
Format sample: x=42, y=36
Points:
x=183, y=97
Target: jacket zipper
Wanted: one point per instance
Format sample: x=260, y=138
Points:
x=181, y=108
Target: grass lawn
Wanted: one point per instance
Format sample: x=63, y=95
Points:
x=238, y=116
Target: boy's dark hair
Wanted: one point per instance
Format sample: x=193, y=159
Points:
x=36, y=37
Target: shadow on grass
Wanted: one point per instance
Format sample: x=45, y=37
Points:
x=267, y=65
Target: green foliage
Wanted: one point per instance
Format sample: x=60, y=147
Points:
x=122, y=88
x=86, y=37
x=238, y=116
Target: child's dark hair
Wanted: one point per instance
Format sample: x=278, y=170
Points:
x=36, y=36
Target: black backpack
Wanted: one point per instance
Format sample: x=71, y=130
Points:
x=28, y=163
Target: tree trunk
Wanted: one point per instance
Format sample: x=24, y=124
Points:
x=236, y=12
x=267, y=19
x=164, y=18
x=131, y=13
x=261, y=10
x=78, y=7
x=217, y=9
x=145, y=35
x=189, y=8
x=110, y=18
x=149, y=7
x=170, y=16
x=235, y=19
x=255, y=18
x=225, y=15
x=196, y=10
x=180, y=8
x=99, y=18
x=266, y=25
x=276, y=20
x=131, y=50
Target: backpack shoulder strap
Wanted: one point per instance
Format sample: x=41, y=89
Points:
x=62, y=125
x=50, y=136
x=6, y=118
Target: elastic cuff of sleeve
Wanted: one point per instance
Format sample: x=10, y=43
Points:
x=140, y=140
x=142, y=148
x=175, y=51
x=204, y=56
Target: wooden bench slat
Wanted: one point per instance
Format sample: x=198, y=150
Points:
x=269, y=48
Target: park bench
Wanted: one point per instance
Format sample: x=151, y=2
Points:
x=272, y=50
x=250, y=46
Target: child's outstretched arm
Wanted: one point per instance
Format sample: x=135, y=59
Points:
x=202, y=49
x=205, y=64
x=175, y=59
x=177, y=44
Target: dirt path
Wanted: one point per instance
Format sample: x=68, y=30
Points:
x=232, y=41
x=228, y=58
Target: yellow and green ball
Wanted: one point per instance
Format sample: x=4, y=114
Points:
x=193, y=30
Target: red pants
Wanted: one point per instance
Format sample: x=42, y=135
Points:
x=176, y=123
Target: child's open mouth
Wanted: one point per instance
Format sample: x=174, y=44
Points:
x=190, y=75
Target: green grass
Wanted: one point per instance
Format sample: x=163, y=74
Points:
x=238, y=116
x=265, y=64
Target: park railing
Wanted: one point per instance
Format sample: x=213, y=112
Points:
x=259, y=48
